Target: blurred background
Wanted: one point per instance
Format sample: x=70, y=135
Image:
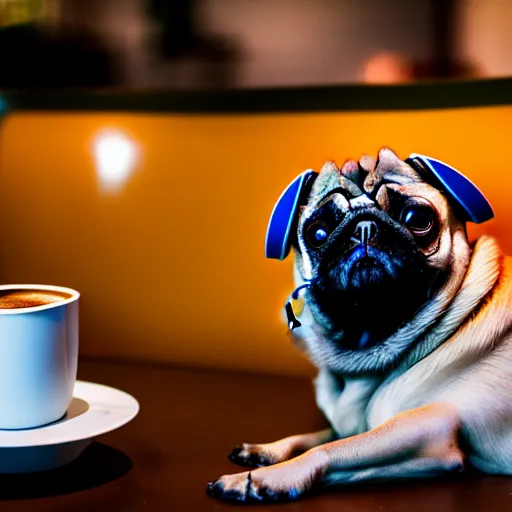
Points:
x=176, y=44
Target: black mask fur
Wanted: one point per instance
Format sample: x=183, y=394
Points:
x=367, y=291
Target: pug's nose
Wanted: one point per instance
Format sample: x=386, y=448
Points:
x=364, y=231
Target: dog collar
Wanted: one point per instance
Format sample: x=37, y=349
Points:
x=291, y=318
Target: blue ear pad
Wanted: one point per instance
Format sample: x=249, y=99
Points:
x=284, y=215
x=466, y=194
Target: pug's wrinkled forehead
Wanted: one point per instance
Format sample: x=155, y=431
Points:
x=364, y=183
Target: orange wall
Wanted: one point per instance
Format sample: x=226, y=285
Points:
x=172, y=268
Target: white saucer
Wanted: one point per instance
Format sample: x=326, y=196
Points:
x=94, y=410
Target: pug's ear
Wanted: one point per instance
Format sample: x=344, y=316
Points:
x=283, y=219
x=464, y=193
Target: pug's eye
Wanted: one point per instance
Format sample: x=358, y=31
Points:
x=317, y=233
x=418, y=219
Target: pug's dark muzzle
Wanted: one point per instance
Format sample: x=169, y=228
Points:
x=370, y=278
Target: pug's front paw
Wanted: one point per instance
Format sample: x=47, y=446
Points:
x=245, y=488
x=254, y=456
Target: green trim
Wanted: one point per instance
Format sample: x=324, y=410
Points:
x=416, y=96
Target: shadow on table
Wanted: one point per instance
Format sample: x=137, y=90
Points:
x=99, y=464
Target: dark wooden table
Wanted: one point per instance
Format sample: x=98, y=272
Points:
x=189, y=421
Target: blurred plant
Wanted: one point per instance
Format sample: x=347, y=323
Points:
x=16, y=12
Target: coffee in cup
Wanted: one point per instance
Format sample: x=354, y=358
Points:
x=15, y=299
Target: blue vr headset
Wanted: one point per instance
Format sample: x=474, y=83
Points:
x=282, y=224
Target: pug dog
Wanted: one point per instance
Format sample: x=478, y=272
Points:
x=410, y=327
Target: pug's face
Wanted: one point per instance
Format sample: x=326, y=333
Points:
x=378, y=244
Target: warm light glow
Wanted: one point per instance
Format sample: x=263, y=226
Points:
x=116, y=156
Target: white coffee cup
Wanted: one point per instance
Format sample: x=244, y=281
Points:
x=38, y=358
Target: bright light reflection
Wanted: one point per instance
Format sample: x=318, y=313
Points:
x=116, y=156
